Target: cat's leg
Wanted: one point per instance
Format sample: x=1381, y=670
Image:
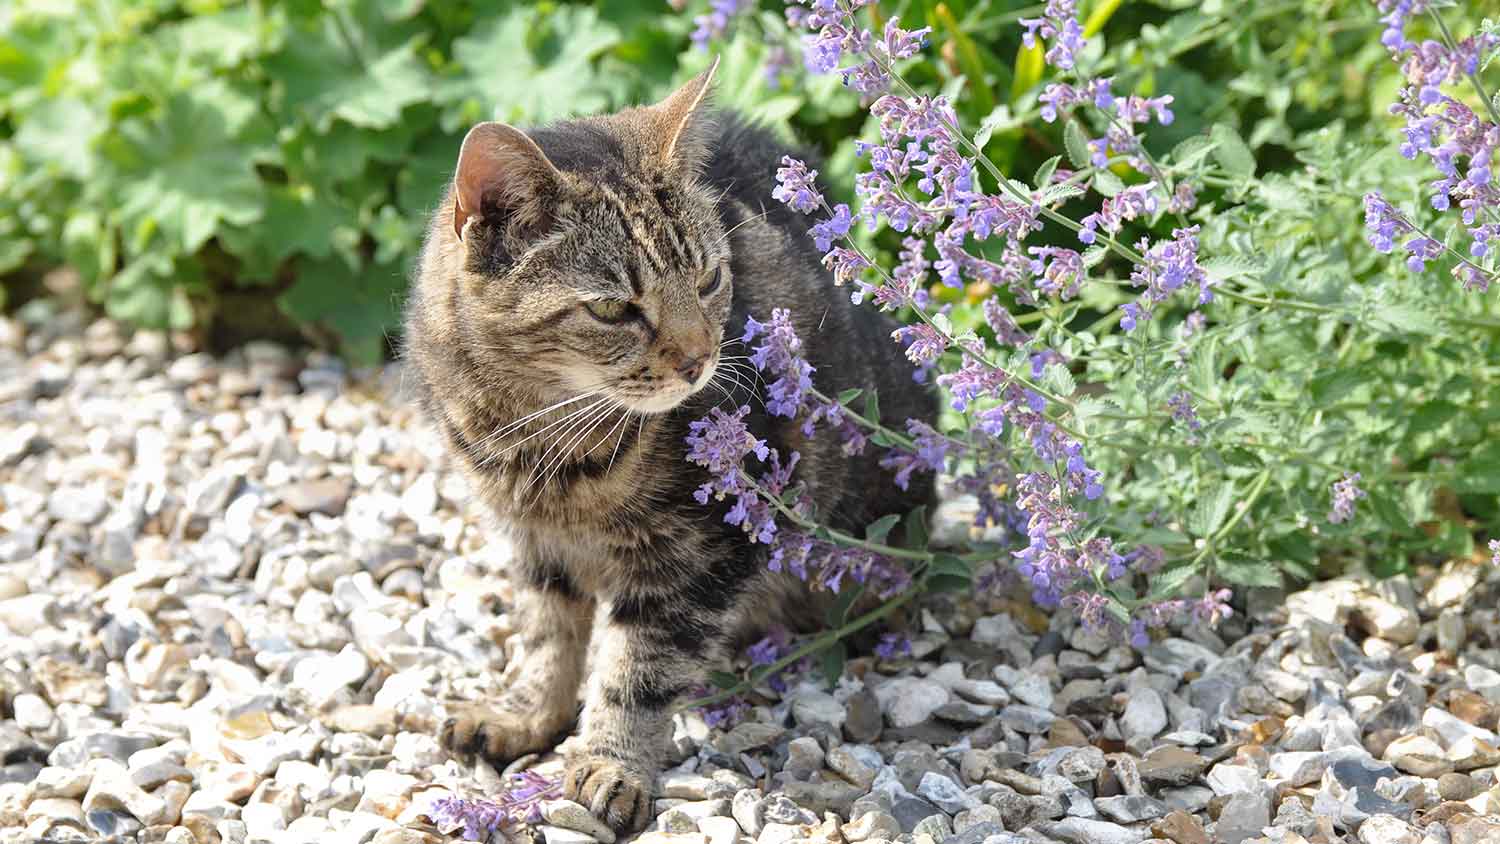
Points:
x=654, y=646
x=541, y=696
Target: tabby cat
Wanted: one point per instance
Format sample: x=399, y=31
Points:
x=579, y=300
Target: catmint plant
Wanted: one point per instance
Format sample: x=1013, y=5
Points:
x=1091, y=330
x=478, y=819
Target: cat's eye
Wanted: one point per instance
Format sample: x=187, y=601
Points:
x=608, y=310
x=712, y=281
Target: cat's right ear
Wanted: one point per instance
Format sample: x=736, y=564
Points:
x=500, y=169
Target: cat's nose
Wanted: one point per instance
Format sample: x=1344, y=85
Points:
x=692, y=368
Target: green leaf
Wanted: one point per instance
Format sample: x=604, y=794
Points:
x=1408, y=318
x=849, y=395
x=1166, y=583
x=723, y=680
x=528, y=66
x=1077, y=144
x=1432, y=415
x=948, y=573
x=194, y=170
x=1243, y=570
x=1232, y=153
x=326, y=78
x=916, y=528
x=879, y=529
x=832, y=662
x=872, y=407
x=1043, y=175
x=1192, y=150
x=838, y=611
x=1107, y=184
x=1212, y=509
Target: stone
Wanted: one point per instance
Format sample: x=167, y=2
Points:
x=55, y=781
x=1172, y=765
x=1458, y=787
x=1384, y=829
x=871, y=825
x=1418, y=754
x=78, y=505
x=1085, y=831
x=328, y=496
x=804, y=757
x=1082, y=765
x=1027, y=719
x=1131, y=808
x=1227, y=778
x=1243, y=817
x=720, y=830
x=569, y=815
x=863, y=721
x=945, y=793
x=111, y=788
x=748, y=809
x=908, y=701
x=1181, y=828
x=1299, y=768
x=1145, y=715
x=847, y=764
x=813, y=708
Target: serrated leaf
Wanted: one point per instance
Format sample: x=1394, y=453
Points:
x=1166, y=583
x=193, y=169
x=1053, y=194
x=872, y=407
x=1232, y=153
x=850, y=395
x=1059, y=380
x=1408, y=318
x=879, y=529
x=1242, y=570
x=1192, y=150
x=1043, y=175
x=529, y=66
x=1212, y=509
x=325, y=79
x=1224, y=267
x=1076, y=143
x=1107, y=184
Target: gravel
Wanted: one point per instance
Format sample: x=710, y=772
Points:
x=238, y=593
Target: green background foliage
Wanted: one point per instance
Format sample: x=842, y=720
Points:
x=193, y=161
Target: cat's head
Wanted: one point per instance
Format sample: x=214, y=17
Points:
x=589, y=257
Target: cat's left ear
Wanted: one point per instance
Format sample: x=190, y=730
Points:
x=681, y=126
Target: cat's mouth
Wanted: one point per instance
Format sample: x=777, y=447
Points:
x=663, y=399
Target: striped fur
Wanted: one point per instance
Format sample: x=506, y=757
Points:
x=615, y=559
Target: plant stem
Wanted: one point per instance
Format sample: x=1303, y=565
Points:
x=1473, y=77
x=1256, y=488
x=816, y=644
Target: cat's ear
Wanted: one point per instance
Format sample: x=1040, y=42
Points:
x=681, y=126
x=499, y=166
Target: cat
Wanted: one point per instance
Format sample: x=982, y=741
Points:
x=578, y=301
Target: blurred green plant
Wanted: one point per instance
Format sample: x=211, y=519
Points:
x=185, y=155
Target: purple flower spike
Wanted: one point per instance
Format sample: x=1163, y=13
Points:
x=1345, y=493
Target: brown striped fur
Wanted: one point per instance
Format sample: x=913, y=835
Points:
x=614, y=557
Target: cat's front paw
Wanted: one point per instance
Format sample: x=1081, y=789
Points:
x=495, y=734
x=617, y=794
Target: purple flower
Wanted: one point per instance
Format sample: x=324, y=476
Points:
x=833, y=228
x=1059, y=25
x=1181, y=404
x=1495, y=551
x=797, y=186
x=1168, y=267
x=929, y=453
x=1345, y=493
x=714, y=24
x=893, y=645
x=770, y=648
x=780, y=354
x=521, y=803
x=726, y=714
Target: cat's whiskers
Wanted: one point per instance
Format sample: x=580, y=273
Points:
x=565, y=420
x=562, y=456
x=502, y=430
x=731, y=230
x=549, y=448
x=624, y=426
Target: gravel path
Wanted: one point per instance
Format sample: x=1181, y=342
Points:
x=235, y=594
